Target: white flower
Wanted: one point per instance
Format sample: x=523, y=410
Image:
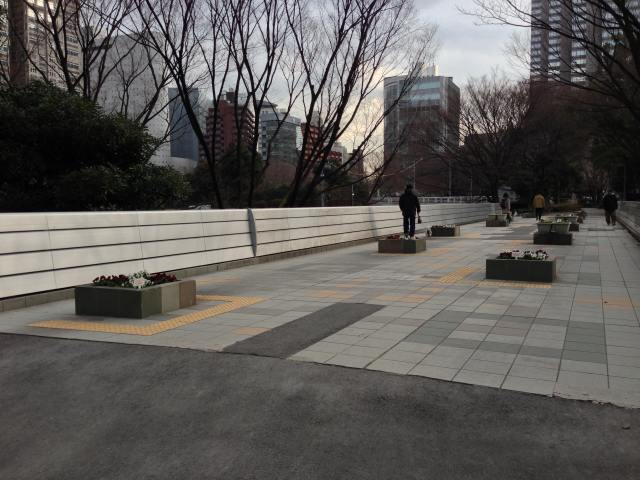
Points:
x=139, y=282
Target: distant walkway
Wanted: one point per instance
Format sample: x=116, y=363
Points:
x=433, y=315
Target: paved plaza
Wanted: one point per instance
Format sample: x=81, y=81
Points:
x=427, y=315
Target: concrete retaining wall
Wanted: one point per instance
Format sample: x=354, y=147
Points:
x=48, y=251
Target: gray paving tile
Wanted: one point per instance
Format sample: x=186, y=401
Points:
x=624, y=384
x=487, y=366
x=497, y=357
x=402, y=356
x=479, y=378
x=572, y=337
x=348, y=361
x=369, y=352
x=583, y=380
x=327, y=347
x=585, y=347
x=624, y=371
x=550, y=321
x=529, y=385
x=464, y=327
x=586, y=367
x=414, y=347
x=461, y=343
x=584, y=356
x=430, y=371
x=499, y=347
x=541, y=351
x=421, y=338
x=534, y=372
x=312, y=356
x=390, y=366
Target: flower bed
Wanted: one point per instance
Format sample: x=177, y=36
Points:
x=525, y=266
x=135, y=280
x=134, y=296
x=524, y=255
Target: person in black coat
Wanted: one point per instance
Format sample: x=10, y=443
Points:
x=610, y=204
x=410, y=206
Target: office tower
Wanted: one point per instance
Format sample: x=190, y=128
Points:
x=557, y=56
x=132, y=88
x=422, y=126
x=184, y=142
x=278, y=144
x=31, y=48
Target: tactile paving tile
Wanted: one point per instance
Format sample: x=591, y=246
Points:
x=457, y=275
x=231, y=303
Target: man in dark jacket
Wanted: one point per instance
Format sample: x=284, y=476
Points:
x=410, y=206
x=610, y=204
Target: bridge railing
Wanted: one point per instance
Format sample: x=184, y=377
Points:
x=41, y=252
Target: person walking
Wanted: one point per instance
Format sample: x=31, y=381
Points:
x=410, y=206
x=610, y=204
x=505, y=205
x=538, y=205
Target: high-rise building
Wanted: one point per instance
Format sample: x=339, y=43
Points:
x=132, y=88
x=31, y=50
x=555, y=55
x=278, y=143
x=313, y=130
x=423, y=123
x=184, y=142
x=222, y=126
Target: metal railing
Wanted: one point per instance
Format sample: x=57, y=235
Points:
x=427, y=200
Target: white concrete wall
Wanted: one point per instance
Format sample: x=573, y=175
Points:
x=629, y=214
x=47, y=251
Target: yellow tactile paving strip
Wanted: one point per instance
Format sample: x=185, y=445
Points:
x=231, y=304
x=457, y=275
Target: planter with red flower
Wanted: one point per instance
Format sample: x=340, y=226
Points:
x=138, y=295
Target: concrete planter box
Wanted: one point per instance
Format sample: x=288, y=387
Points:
x=544, y=227
x=497, y=220
x=445, y=231
x=402, y=246
x=552, y=238
x=521, y=270
x=134, y=303
x=574, y=227
x=560, y=227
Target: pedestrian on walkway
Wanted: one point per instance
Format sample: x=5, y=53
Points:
x=505, y=205
x=538, y=205
x=610, y=205
x=410, y=206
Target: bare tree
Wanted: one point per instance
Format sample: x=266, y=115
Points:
x=493, y=113
x=346, y=50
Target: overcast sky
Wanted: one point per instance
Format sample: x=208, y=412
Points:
x=466, y=49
